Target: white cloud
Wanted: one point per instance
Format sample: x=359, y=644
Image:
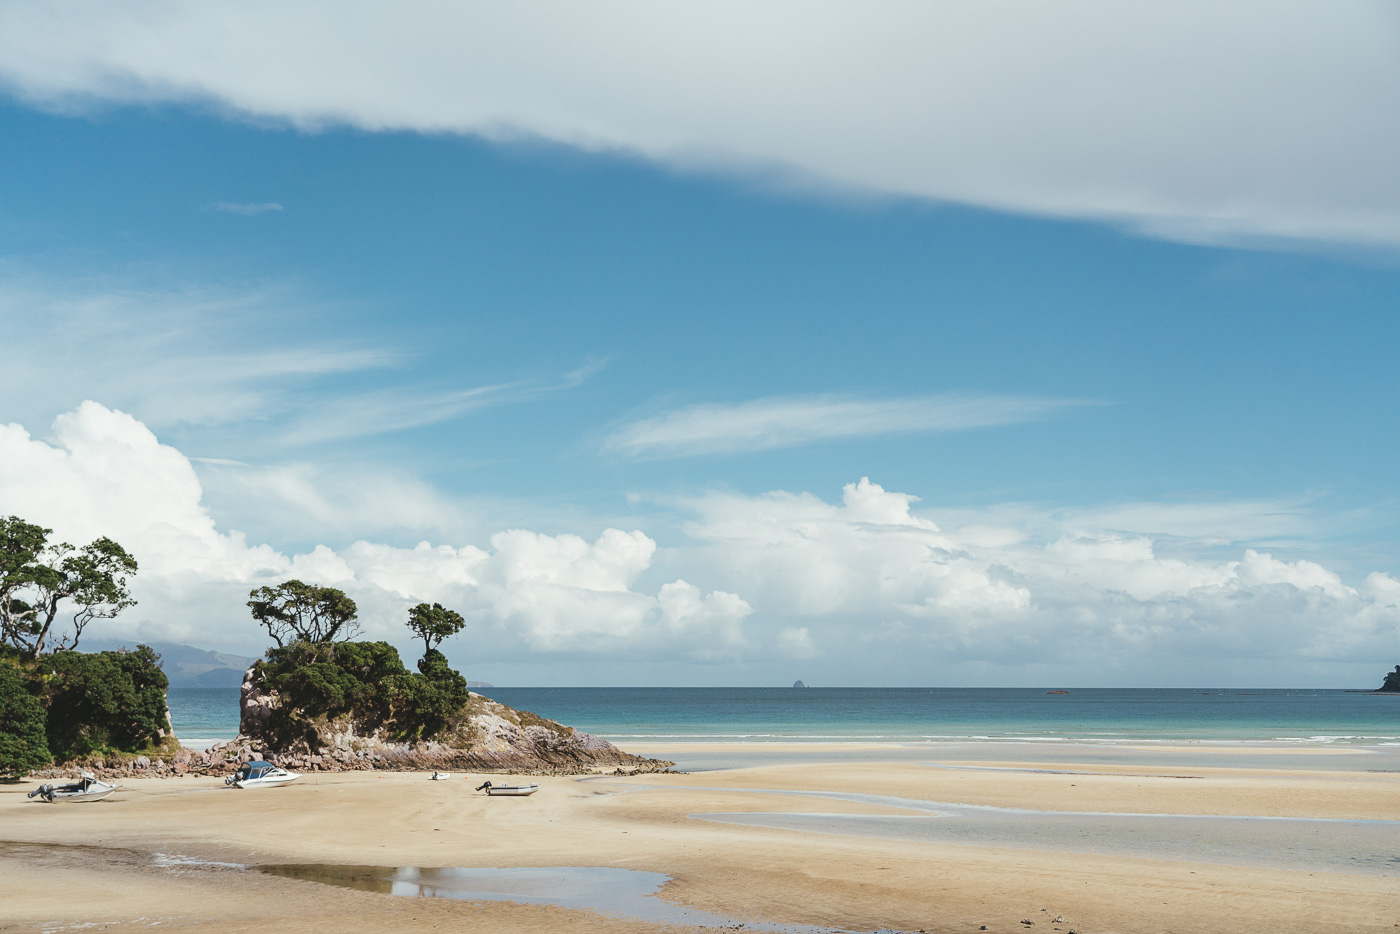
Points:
x=107, y=474
x=1185, y=119
x=172, y=356
x=247, y=209
x=796, y=642
x=991, y=594
x=221, y=358
x=788, y=421
x=871, y=589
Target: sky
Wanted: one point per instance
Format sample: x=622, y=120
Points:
x=867, y=344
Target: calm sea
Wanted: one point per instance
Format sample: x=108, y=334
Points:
x=912, y=715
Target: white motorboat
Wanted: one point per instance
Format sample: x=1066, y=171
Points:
x=516, y=790
x=259, y=774
x=87, y=788
x=440, y=776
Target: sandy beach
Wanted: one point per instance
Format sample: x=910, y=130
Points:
x=182, y=853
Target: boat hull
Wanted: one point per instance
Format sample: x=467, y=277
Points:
x=80, y=797
x=512, y=791
x=270, y=782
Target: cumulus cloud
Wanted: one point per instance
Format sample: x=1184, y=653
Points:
x=1184, y=119
x=105, y=473
x=871, y=589
x=789, y=421
x=874, y=569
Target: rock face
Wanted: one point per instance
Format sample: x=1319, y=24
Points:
x=1392, y=682
x=491, y=738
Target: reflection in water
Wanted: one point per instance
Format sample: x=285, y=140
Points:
x=628, y=893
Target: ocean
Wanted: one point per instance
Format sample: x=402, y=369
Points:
x=1106, y=716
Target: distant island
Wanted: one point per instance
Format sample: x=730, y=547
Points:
x=798, y=684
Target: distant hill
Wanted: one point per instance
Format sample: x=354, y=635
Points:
x=189, y=667
x=185, y=665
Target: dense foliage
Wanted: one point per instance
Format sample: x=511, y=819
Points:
x=68, y=705
x=296, y=612
x=104, y=700
x=38, y=577
x=364, y=682
x=23, y=745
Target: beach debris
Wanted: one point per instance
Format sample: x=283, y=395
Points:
x=1028, y=922
x=1059, y=919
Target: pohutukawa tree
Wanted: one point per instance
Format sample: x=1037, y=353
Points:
x=297, y=612
x=37, y=578
x=434, y=623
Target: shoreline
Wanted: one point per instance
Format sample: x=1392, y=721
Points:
x=863, y=877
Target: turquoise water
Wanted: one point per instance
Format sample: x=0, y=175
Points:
x=913, y=715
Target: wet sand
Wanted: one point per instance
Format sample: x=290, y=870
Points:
x=152, y=854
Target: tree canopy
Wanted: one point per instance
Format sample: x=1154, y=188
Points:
x=23, y=745
x=37, y=577
x=434, y=623
x=104, y=700
x=297, y=612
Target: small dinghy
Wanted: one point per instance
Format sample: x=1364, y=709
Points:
x=440, y=776
x=517, y=790
x=87, y=788
x=258, y=774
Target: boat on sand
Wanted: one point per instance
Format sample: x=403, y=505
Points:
x=87, y=788
x=515, y=790
x=259, y=774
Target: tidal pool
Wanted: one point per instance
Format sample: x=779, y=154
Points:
x=626, y=893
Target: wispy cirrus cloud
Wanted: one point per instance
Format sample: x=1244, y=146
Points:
x=247, y=209
x=178, y=356
x=790, y=421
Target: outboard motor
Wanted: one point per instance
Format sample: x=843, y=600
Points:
x=45, y=790
x=484, y=786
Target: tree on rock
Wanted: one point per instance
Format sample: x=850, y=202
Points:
x=37, y=577
x=434, y=623
x=297, y=612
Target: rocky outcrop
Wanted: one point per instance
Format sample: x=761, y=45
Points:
x=1392, y=682
x=486, y=737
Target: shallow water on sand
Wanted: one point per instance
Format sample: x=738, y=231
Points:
x=1368, y=847
x=625, y=893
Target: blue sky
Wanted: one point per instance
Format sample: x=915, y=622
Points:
x=351, y=328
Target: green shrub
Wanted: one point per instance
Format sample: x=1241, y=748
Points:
x=103, y=701
x=365, y=683
x=23, y=745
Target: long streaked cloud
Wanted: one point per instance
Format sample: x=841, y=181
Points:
x=224, y=357
x=1182, y=118
x=789, y=421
